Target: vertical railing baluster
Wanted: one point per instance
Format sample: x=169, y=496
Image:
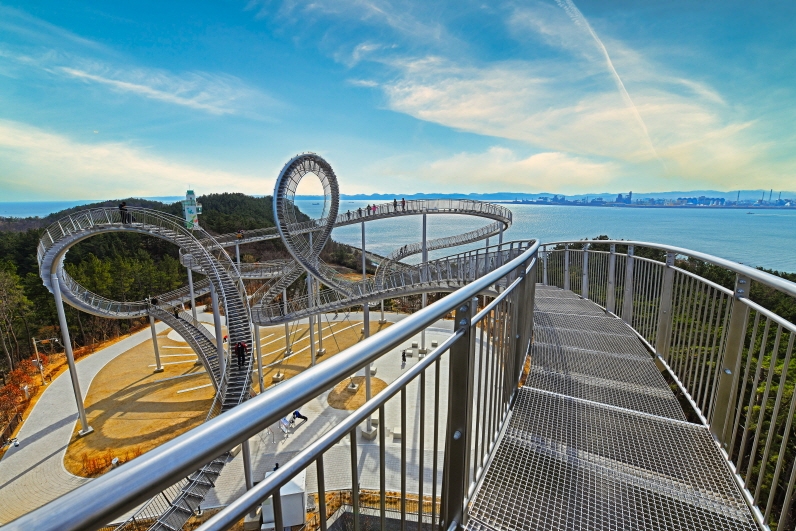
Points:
x=421, y=465
x=460, y=391
x=321, y=492
x=627, y=301
x=403, y=459
x=436, y=447
x=610, y=290
x=584, y=285
x=383, y=467
x=664, y=335
x=566, y=266
x=544, y=265
x=731, y=361
x=354, y=480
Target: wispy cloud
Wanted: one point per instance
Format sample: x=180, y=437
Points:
x=32, y=160
x=577, y=17
x=213, y=93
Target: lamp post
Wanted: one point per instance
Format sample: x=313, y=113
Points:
x=38, y=359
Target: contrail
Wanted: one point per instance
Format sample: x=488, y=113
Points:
x=579, y=20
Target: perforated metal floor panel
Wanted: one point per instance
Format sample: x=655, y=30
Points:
x=562, y=305
x=597, y=441
x=590, y=340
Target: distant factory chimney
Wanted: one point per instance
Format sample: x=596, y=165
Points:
x=770, y=193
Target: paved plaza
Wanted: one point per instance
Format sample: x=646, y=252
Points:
x=33, y=474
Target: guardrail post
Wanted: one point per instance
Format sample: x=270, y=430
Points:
x=566, y=266
x=524, y=300
x=627, y=302
x=727, y=390
x=610, y=295
x=544, y=265
x=664, y=334
x=584, y=288
x=457, y=441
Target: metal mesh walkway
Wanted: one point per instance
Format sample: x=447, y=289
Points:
x=597, y=440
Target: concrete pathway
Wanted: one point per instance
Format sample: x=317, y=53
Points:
x=33, y=474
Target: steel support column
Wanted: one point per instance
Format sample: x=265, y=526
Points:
x=222, y=361
x=158, y=366
x=456, y=470
x=424, y=278
x=287, y=327
x=85, y=429
x=259, y=350
x=193, y=296
x=248, y=475
x=664, y=334
x=727, y=390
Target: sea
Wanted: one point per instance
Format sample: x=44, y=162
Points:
x=760, y=238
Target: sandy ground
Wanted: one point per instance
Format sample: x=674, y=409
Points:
x=133, y=409
x=342, y=397
x=338, y=335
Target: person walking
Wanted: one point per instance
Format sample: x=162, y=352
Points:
x=177, y=312
x=240, y=350
x=123, y=213
x=348, y=215
x=403, y=204
x=359, y=210
x=368, y=207
x=395, y=204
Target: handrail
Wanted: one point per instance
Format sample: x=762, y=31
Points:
x=772, y=281
x=122, y=489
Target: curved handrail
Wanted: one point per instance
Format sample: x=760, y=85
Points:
x=122, y=489
x=772, y=281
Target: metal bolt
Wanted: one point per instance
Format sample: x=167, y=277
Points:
x=457, y=435
x=741, y=281
x=727, y=371
x=463, y=308
x=463, y=322
x=741, y=292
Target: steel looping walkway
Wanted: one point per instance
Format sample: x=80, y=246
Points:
x=597, y=440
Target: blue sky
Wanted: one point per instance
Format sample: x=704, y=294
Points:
x=103, y=100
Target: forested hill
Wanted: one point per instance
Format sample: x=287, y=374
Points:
x=125, y=266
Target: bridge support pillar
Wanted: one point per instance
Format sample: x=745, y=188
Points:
x=85, y=429
x=627, y=300
x=610, y=294
x=424, y=278
x=456, y=479
x=222, y=362
x=365, y=334
x=381, y=319
x=193, y=296
x=664, y=335
x=237, y=254
x=158, y=366
x=288, y=346
x=259, y=351
x=727, y=391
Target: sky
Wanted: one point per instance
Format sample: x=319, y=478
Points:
x=103, y=100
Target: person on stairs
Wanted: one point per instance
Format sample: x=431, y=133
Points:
x=240, y=350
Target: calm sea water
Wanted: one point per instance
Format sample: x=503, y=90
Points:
x=764, y=238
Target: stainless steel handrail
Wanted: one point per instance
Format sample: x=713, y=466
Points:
x=768, y=279
x=102, y=500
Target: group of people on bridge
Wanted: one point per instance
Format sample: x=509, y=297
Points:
x=371, y=210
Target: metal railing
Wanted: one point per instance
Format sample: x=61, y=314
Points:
x=443, y=274
x=714, y=325
x=480, y=363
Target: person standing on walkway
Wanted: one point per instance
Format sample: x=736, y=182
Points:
x=368, y=209
x=123, y=212
x=395, y=204
x=240, y=350
x=359, y=210
x=348, y=215
x=403, y=204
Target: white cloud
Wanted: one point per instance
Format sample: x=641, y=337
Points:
x=213, y=93
x=500, y=169
x=40, y=164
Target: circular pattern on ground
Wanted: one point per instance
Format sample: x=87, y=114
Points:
x=342, y=397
